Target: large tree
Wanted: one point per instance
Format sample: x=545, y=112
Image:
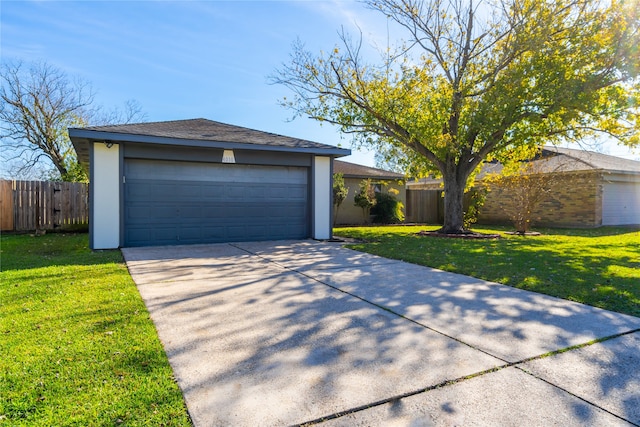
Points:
x=38, y=103
x=477, y=81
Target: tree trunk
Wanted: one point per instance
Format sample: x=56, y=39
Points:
x=454, y=185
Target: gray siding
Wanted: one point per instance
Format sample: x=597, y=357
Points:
x=213, y=155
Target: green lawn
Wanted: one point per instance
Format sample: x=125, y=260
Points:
x=599, y=267
x=77, y=346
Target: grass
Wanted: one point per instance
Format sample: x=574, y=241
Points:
x=77, y=345
x=598, y=267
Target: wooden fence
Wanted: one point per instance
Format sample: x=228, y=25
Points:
x=43, y=205
x=427, y=206
x=424, y=206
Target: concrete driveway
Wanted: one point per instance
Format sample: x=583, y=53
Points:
x=305, y=332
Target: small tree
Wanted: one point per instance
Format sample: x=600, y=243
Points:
x=340, y=192
x=365, y=198
x=527, y=185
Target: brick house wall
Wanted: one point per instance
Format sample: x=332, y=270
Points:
x=575, y=201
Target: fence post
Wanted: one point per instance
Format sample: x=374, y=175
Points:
x=56, y=204
x=39, y=206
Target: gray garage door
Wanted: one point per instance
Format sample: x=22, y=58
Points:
x=169, y=202
x=621, y=203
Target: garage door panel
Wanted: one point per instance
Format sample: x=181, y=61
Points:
x=181, y=202
x=189, y=191
x=298, y=193
x=135, y=212
x=211, y=192
x=237, y=231
x=621, y=203
x=243, y=191
x=285, y=229
x=196, y=233
x=136, y=235
x=162, y=235
x=138, y=193
x=158, y=190
x=277, y=192
x=149, y=212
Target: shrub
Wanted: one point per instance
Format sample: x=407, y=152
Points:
x=387, y=210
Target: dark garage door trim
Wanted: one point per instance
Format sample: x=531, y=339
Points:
x=170, y=202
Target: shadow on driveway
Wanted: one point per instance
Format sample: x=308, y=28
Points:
x=281, y=333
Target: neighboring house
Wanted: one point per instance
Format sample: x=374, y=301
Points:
x=348, y=213
x=201, y=181
x=591, y=190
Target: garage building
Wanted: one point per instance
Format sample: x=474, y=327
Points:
x=201, y=181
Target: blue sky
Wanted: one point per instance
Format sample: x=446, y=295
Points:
x=189, y=59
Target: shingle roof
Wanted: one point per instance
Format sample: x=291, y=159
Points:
x=198, y=133
x=570, y=159
x=558, y=159
x=352, y=170
x=207, y=130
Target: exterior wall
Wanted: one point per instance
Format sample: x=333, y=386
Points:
x=105, y=197
x=214, y=155
x=575, y=200
x=321, y=194
x=349, y=214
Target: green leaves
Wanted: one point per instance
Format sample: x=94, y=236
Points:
x=340, y=190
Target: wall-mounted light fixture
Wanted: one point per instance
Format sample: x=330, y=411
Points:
x=228, y=157
x=109, y=144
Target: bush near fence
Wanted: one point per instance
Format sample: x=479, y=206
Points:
x=43, y=205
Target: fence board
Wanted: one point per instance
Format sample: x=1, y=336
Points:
x=6, y=206
x=42, y=205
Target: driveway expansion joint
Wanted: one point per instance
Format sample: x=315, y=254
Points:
x=399, y=397
x=576, y=347
x=556, y=386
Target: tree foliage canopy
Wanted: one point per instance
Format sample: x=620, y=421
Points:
x=477, y=81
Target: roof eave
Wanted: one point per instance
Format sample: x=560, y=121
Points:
x=98, y=136
x=618, y=172
x=384, y=177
